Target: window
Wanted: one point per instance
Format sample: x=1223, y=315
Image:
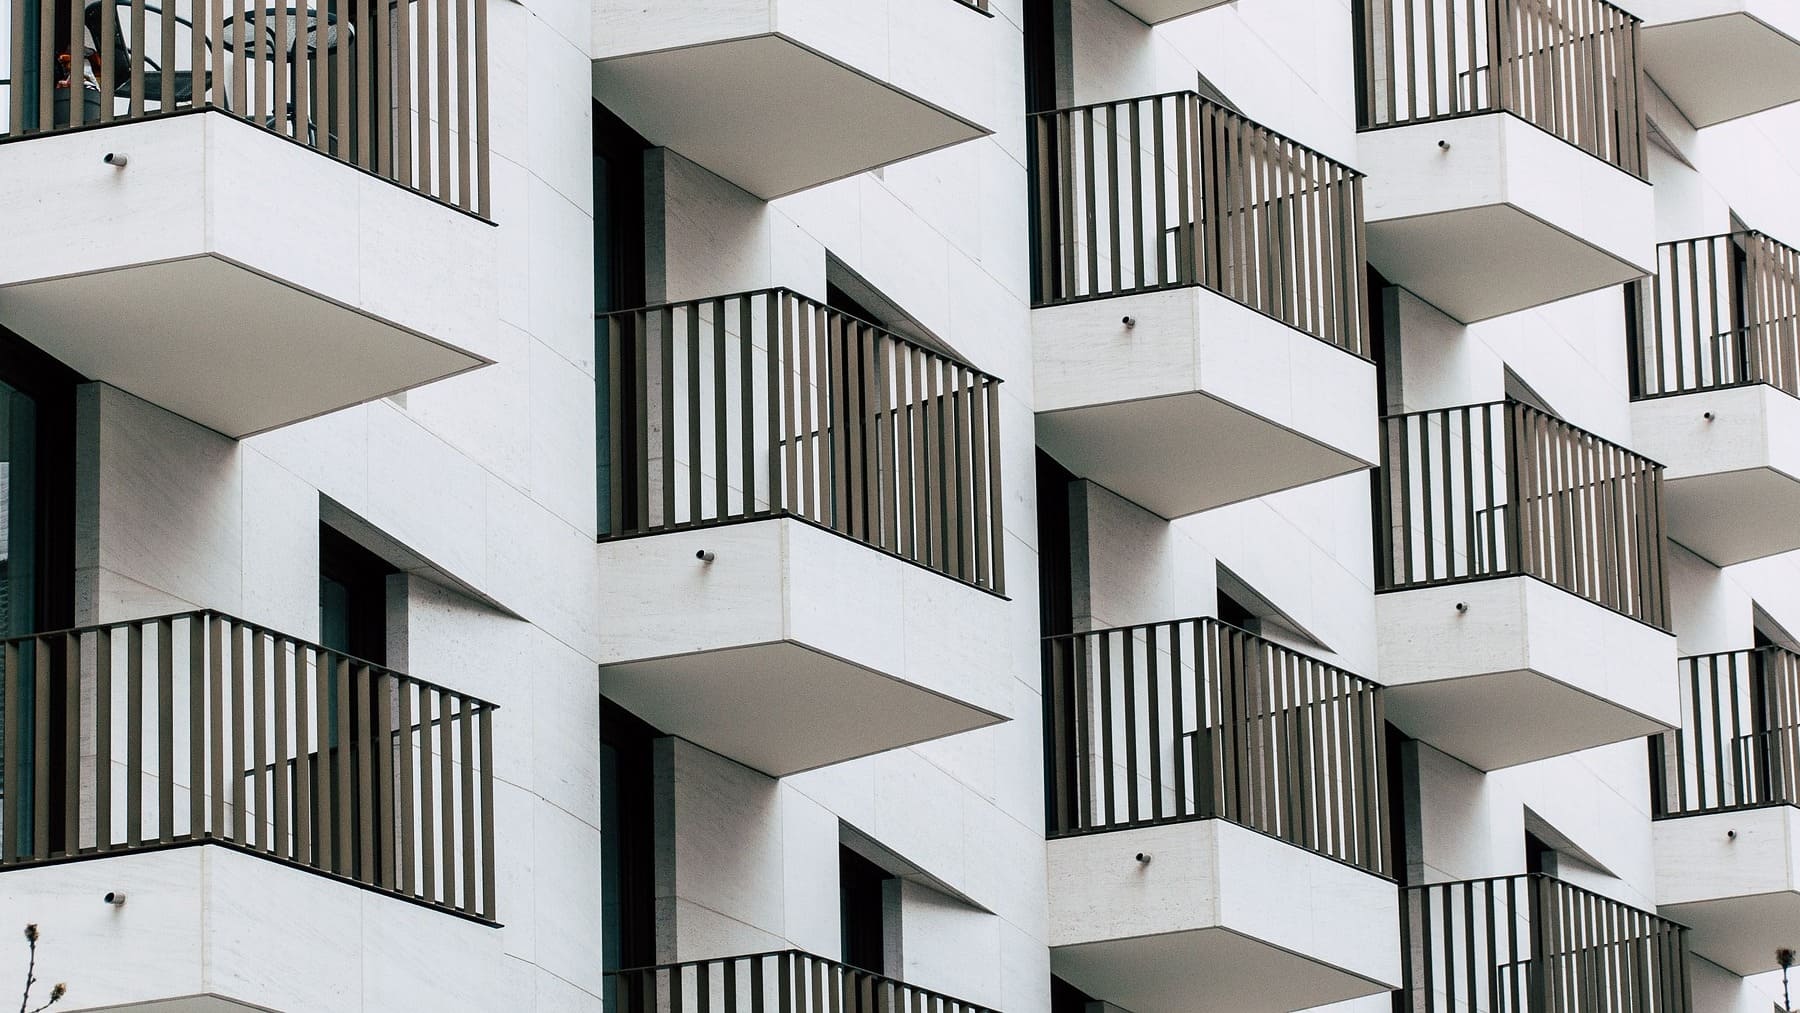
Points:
x=627, y=842
x=37, y=544
x=618, y=276
x=862, y=907
x=1066, y=998
x=352, y=597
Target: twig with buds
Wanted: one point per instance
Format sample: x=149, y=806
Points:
x=57, y=991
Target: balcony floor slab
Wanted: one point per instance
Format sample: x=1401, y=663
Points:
x=1201, y=402
x=1734, y=879
x=1487, y=215
x=1220, y=919
x=1731, y=491
x=1528, y=671
x=796, y=647
x=1722, y=59
x=772, y=114
x=240, y=307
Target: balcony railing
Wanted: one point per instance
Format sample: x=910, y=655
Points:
x=768, y=404
x=199, y=728
x=398, y=89
x=785, y=981
x=1196, y=719
x=1721, y=311
x=1174, y=190
x=1568, y=66
x=979, y=5
x=1502, y=489
x=1738, y=746
x=1535, y=944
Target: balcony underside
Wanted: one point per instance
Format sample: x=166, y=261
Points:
x=1201, y=402
x=1222, y=919
x=1182, y=454
x=1528, y=671
x=261, y=354
x=782, y=708
x=1157, y=11
x=795, y=647
x=1487, y=215
x=1731, y=491
x=1205, y=971
x=1734, y=879
x=1502, y=719
x=1733, y=517
x=241, y=307
x=771, y=114
x=1483, y=262
x=1729, y=61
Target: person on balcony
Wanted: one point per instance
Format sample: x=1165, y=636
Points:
x=65, y=72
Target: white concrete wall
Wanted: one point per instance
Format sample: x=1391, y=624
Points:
x=487, y=481
x=1288, y=65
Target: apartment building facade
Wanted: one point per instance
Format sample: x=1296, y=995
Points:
x=876, y=505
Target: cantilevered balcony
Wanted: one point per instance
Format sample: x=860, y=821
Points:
x=1505, y=148
x=198, y=728
x=1534, y=943
x=1523, y=604
x=1217, y=808
x=1721, y=59
x=315, y=240
x=781, y=95
x=1725, y=787
x=1715, y=356
x=802, y=547
x=1199, y=329
x=228, y=778
x=783, y=981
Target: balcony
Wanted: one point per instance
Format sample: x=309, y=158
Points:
x=314, y=242
x=1492, y=191
x=246, y=789
x=1200, y=319
x=802, y=544
x=778, y=96
x=1689, y=44
x=1537, y=943
x=198, y=728
x=1217, y=814
x=1715, y=355
x=785, y=981
x=1523, y=607
x=1725, y=788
